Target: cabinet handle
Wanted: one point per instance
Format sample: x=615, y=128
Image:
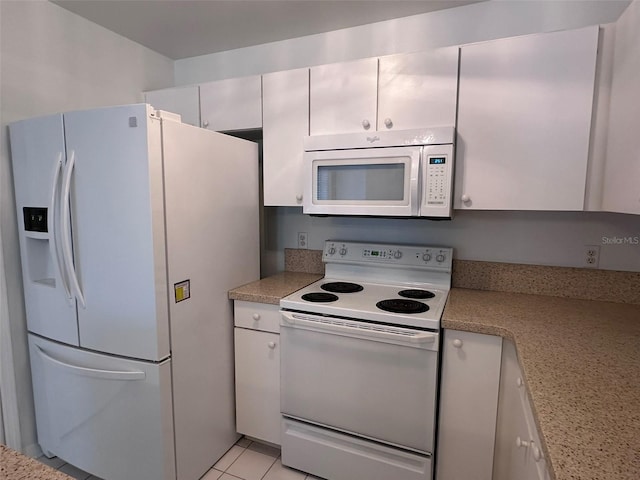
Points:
x=298, y=198
x=521, y=443
x=465, y=198
x=366, y=124
x=519, y=382
x=388, y=123
x=205, y=123
x=537, y=454
x=256, y=316
x=457, y=343
x=272, y=345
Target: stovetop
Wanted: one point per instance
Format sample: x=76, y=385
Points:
x=365, y=304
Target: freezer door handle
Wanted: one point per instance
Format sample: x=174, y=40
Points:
x=52, y=227
x=93, y=372
x=66, y=231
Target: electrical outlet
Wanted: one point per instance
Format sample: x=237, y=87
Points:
x=591, y=256
x=302, y=240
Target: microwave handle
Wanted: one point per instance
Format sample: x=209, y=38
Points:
x=413, y=186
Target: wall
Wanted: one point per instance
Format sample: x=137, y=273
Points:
x=52, y=61
x=455, y=26
x=543, y=238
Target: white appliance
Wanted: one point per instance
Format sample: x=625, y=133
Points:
x=398, y=173
x=133, y=227
x=359, y=363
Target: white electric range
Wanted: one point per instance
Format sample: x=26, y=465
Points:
x=360, y=360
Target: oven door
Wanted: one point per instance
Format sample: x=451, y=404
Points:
x=375, y=381
x=371, y=181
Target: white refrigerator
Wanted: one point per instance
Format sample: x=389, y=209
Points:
x=133, y=227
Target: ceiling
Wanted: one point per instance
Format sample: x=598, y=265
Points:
x=187, y=28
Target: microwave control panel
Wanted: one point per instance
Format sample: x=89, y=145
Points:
x=437, y=181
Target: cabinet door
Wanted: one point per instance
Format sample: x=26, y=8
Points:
x=468, y=405
x=524, y=118
x=515, y=440
x=257, y=360
x=418, y=90
x=184, y=101
x=621, y=191
x=343, y=97
x=285, y=108
x=232, y=104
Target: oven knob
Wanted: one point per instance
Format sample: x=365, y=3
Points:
x=426, y=257
x=343, y=251
x=397, y=254
x=440, y=258
x=331, y=250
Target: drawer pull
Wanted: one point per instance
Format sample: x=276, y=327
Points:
x=521, y=443
x=256, y=316
x=272, y=345
x=457, y=343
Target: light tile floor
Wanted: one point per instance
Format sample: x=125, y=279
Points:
x=246, y=460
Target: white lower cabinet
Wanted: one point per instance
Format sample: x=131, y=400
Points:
x=257, y=370
x=518, y=449
x=468, y=405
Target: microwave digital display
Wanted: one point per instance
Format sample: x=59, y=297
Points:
x=437, y=161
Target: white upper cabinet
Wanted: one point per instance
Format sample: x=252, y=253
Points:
x=418, y=90
x=621, y=189
x=232, y=104
x=182, y=100
x=285, y=106
x=524, y=118
x=343, y=97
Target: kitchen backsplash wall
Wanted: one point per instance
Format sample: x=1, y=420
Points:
x=534, y=238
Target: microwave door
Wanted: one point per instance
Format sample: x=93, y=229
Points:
x=376, y=181
x=437, y=182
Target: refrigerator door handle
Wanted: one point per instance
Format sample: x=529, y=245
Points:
x=66, y=231
x=52, y=227
x=93, y=372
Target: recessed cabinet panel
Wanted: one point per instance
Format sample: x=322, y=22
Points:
x=285, y=105
x=257, y=362
x=518, y=451
x=468, y=398
x=343, y=97
x=524, y=118
x=418, y=90
x=183, y=100
x=621, y=191
x=232, y=104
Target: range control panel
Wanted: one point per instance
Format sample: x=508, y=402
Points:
x=401, y=255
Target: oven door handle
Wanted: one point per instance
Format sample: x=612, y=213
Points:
x=382, y=333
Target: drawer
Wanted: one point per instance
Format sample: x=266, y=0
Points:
x=257, y=316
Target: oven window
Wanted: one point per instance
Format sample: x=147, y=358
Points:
x=379, y=181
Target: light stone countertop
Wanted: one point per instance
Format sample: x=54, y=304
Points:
x=16, y=466
x=272, y=289
x=581, y=363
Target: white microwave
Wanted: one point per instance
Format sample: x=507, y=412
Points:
x=392, y=174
